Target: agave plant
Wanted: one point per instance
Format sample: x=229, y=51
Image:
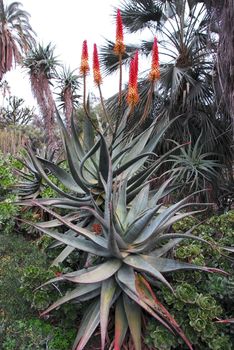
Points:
x=116, y=218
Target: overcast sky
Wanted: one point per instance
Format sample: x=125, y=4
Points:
x=66, y=24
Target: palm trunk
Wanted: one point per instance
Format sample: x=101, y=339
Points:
x=223, y=12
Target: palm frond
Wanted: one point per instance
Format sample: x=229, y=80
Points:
x=110, y=61
x=140, y=14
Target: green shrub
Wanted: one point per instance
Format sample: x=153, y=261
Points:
x=7, y=177
x=16, y=257
x=200, y=299
x=23, y=267
x=36, y=334
x=8, y=210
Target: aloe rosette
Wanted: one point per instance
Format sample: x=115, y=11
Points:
x=108, y=186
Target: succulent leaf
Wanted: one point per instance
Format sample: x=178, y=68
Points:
x=140, y=263
x=107, y=294
x=88, y=325
x=97, y=274
x=74, y=294
x=121, y=324
x=133, y=313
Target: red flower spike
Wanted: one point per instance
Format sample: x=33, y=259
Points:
x=84, y=67
x=119, y=47
x=96, y=66
x=136, y=66
x=155, y=72
x=133, y=96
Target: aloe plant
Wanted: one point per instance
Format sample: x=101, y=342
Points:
x=31, y=183
x=116, y=218
x=194, y=167
x=108, y=187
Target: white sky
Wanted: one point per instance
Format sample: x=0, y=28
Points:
x=66, y=24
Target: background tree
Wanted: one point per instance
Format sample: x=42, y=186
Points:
x=68, y=98
x=5, y=90
x=41, y=64
x=222, y=19
x=16, y=113
x=186, y=88
x=16, y=35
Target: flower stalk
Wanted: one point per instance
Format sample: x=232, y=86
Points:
x=98, y=81
x=154, y=76
x=119, y=50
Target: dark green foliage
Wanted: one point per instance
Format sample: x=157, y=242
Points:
x=23, y=267
x=17, y=257
x=8, y=212
x=8, y=209
x=7, y=177
x=199, y=299
x=35, y=334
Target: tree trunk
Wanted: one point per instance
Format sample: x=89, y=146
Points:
x=223, y=12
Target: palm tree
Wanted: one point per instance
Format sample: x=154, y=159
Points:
x=16, y=35
x=186, y=87
x=41, y=65
x=68, y=85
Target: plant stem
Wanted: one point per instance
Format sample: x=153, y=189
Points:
x=108, y=120
x=84, y=104
x=120, y=96
x=148, y=102
x=120, y=81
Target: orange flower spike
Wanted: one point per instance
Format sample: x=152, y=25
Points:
x=96, y=66
x=133, y=96
x=155, y=72
x=119, y=47
x=84, y=67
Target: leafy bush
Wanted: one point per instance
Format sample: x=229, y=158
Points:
x=17, y=255
x=23, y=267
x=35, y=334
x=199, y=299
x=8, y=210
x=7, y=177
